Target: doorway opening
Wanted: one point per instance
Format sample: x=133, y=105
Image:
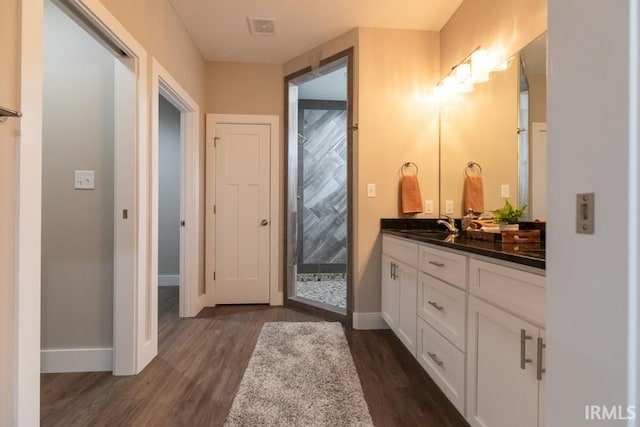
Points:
x=318, y=192
x=174, y=287
x=169, y=222
x=88, y=197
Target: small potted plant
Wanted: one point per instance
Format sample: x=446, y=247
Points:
x=507, y=217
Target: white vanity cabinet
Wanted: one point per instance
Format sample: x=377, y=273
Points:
x=442, y=313
x=505, y=368
x=475, y=324
x=400, y=288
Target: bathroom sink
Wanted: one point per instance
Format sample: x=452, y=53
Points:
x=441, y=235
x=426, y=232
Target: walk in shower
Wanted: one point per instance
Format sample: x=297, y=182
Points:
x=318, y=190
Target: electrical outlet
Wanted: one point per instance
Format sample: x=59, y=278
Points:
x=505, y=191
x=371, y=190
x=428, y=206
x=448, y=207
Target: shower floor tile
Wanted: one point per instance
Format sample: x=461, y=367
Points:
x=332, y=292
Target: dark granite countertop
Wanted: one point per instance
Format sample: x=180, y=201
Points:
x=427, y=231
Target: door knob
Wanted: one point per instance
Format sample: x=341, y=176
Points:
x=264, y=222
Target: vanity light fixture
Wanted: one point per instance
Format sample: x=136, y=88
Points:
x=473, y=69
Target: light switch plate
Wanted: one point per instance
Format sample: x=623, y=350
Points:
x=428, y=206
x=371, y=190
x=84, y=180
x=505, y=191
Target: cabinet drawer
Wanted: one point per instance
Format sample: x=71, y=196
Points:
x=400, y=249
x=447, y=266
x=519, y=292
x=443, y=307
x=443, y=362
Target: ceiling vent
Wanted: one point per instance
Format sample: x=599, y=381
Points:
x=262, y=26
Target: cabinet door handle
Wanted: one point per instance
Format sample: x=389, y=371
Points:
x=523, y=348
x=539, y=369
x=391, y=269
x=436, y=305
x=436, y=263
x=435, y=358
x=395, y=271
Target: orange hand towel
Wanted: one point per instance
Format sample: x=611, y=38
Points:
x=411, y=198
x=473, y=194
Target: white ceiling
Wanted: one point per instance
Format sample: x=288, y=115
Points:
x=220, y=30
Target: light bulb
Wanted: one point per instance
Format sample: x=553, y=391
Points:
x=463, y=72
x=479, y=66
x=466, y=86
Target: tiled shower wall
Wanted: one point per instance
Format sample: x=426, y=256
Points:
x=323, y=188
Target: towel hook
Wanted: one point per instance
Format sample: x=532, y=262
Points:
x=406, y=166
x=5, y=113
x=470, y=166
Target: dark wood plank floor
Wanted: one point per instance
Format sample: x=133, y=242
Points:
x=201, y=361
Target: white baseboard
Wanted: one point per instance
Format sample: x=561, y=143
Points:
x=76, y=360
x=369, y=321
x=168, y=280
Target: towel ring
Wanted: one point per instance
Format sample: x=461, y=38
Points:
x=406, y=166
x=471, y=166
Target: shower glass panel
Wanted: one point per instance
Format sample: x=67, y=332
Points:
x=317, y=252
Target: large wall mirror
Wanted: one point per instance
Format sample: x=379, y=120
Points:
x=498, y=131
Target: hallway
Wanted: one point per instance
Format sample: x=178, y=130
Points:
x=201, y=361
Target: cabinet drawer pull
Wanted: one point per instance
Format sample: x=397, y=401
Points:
x=435, y=358
x=436, y=305
x=523, y=348
x=436, y=263
x=539, y=369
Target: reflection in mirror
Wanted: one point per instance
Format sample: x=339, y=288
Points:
x=501, y=126
x=533, y=141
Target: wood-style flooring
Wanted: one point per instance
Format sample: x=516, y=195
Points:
x=201, y=361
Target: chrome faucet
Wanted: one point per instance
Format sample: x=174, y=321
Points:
x=450, y=224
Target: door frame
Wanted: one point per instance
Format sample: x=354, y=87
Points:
x=273, y=121
x=348, y=318
x=129, y=309
x=191, y=301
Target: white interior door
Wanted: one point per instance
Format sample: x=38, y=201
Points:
x=242, y=213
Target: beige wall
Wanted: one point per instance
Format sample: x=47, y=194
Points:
x=9, y=97
x=244, y=88
x=481, y=127
x=396, y=125
x=158, y=29
x=537, y=98
x=505, y=25
x=393, y=70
